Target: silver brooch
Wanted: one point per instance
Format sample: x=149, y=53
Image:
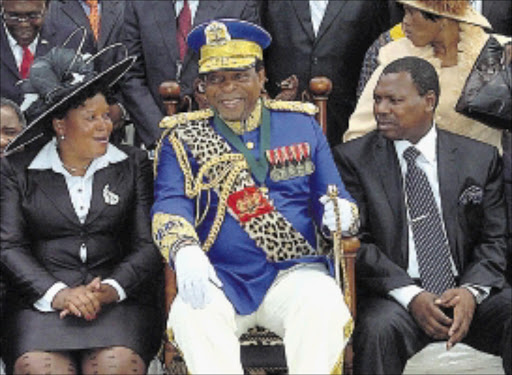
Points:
x=110, y=197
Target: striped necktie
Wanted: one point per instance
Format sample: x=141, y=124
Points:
x=432, y=248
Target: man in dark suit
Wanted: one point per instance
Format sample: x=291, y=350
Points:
x=74, y=14
x=23, y=27
x=150, y=33
x=310, y=40
x=443, y=280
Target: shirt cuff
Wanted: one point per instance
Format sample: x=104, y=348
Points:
x=119, y=289
x=405, y=294
x=479, y=292
x=44, y=304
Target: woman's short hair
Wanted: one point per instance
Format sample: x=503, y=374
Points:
x=4, y=102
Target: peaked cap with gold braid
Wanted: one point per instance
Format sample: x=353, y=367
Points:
x=228, y=44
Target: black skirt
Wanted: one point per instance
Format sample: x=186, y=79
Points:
x=128, y=324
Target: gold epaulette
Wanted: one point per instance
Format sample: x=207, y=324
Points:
x=281, y=105
x=184, y=117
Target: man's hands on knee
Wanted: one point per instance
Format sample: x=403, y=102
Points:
x=193, y=273
x=464, y=305
x=429, y=316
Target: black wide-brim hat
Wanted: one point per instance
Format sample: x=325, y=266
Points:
x=55, y=79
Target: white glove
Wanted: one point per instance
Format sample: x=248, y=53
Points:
x=193, y=273
x=329, y=218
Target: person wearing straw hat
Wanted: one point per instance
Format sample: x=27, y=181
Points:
x=449, y=34
x=239, y=188
x=76, y=248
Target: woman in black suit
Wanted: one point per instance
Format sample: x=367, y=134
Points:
x=76, y=242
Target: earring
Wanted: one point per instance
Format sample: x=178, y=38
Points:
x=62, y=137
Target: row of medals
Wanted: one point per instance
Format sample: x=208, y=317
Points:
x=290, y=161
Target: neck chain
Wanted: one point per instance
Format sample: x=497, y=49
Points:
x=73, y=170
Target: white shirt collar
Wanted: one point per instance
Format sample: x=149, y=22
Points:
x=426, y=145
x=48, y=158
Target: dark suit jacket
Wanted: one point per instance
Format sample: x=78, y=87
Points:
x=476, y=232
x=41, y=234
x=71, y=14
x=150, y=34
x=50, y=36
x=499, y=14
x=347, y=30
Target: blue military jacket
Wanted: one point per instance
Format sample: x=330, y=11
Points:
x=243, y=268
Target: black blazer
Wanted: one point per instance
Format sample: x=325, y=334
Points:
x=150, y=34
x=50, y=36
x=347, y=30
x=476, y=232
x=41, y=234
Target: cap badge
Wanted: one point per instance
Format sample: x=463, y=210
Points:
x=217, y=34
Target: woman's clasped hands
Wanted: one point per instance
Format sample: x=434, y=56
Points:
x=84, y=301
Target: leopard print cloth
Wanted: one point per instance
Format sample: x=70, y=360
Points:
x=271, y=232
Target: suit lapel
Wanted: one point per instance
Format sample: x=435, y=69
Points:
x=388, y=169
x=110, y=12
x=43, y=46
x=6, y=54
x=448, y=185
x=333, y=9
x=165, y=18
x=304, y=15
x=54, y=187
x=110, y=176
x=205, y=11
x=76, y=13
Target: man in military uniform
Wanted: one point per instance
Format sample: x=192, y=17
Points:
x=239, y=189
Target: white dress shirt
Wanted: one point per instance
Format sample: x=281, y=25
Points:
x=192, y=4
x=427, y=162
x=80, y=192
x=317, y=9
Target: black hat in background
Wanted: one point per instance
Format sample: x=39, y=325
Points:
x=55, y=79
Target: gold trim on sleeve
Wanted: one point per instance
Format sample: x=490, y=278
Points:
x=171, y=233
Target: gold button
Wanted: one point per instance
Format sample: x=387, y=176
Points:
x=250, y=145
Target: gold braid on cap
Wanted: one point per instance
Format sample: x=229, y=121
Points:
x=455, y=7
